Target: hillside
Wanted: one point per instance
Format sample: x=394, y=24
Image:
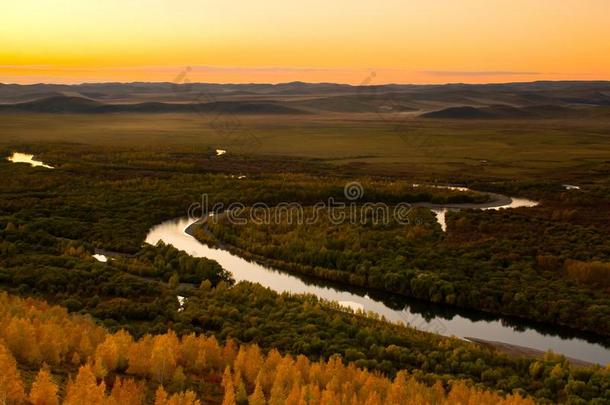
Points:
x=466, y=112
x=70, y=104
x=510, y=112
x=55, y=104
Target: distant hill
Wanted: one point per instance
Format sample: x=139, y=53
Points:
x=510, y=112
x=365, y=102
x=55, y=104
x=80, y=105
x=542, y=99
x=465, y=112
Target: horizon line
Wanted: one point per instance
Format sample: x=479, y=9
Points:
x=302, y=82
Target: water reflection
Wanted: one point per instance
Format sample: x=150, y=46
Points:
x=441, y=216
x=352, y=305
x=441, y=213
x=100, y=258
x=515, y=203
x=427, y=316
x=26, y=158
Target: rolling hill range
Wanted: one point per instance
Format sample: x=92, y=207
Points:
x=68, y=104
x=576, y=99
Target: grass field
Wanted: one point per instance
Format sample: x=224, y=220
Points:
x=391, y=143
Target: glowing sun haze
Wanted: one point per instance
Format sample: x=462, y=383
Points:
x=408, y=41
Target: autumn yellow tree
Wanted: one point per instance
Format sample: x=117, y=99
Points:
x=398, y=390
x=249, y=361
x=229, y=351
x=126, y=392
x=178, y=379
x=257, y=397
x=20, y=338
x=182, y=398
x=216, y=358
x=163, y=357
x=138, y=356
x=112, y=353
x=11, y=387
x=294, y=395
x=160, y=396
x=241, y=396
x=44, y=390
x=85, y=389
x=190, y=346
x=227, y=383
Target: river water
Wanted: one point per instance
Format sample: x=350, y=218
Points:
x=27, y=158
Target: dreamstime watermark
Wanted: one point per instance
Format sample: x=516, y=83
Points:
x=347, y=210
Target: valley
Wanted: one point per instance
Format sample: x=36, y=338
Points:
x=94, y=208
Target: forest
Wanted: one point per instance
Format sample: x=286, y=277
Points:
x=49, y=357
x=119, y=298
x=547, y=263
x=52, y=221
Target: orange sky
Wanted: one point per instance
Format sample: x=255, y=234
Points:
x=401, y=41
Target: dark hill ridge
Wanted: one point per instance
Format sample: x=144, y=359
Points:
x=55, y=104
x=80, y=105
x=465, y=112
x=510, y=112
x=365, y=102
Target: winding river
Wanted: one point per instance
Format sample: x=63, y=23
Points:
x=426, y=316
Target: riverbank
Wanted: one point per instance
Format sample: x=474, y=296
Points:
x=522, y=351
x=494, y=201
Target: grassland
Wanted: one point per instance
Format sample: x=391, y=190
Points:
x=362, y=143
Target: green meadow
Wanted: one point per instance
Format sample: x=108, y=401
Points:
x=392, y=144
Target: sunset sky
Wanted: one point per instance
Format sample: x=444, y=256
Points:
x=408, y=41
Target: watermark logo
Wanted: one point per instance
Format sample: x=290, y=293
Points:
x=348, y=209
x=353, y=191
